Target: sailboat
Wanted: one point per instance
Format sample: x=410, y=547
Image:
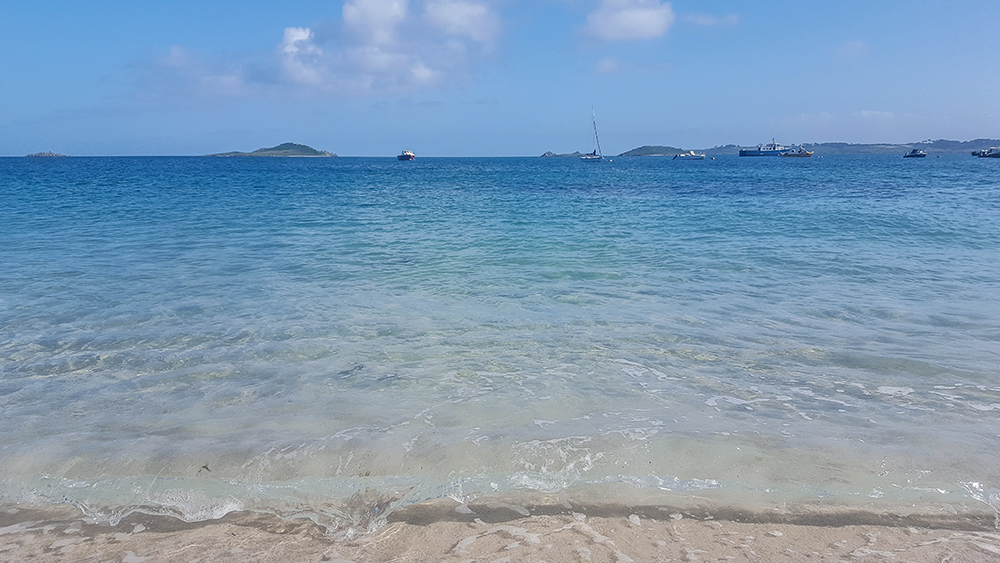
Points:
x=596, y=155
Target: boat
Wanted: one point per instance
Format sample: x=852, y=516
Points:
x=992, y=152
x=597, y=155
x=980, y=152
x=915, y=153
x=690, y=155
x=802, y=152
x=406, y=155
x=770, y=149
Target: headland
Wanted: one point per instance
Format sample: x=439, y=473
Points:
x=282, y=150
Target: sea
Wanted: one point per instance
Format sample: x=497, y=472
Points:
x=337, y=339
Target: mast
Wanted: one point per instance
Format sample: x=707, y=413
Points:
x=597, y=140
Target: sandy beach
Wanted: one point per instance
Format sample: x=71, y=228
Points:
x=500, y=532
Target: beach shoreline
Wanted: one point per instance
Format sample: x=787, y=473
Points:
x=549, y=530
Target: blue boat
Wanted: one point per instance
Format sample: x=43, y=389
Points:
x=770, y=149
x=915, y=153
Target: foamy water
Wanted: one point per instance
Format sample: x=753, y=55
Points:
x=193, y=336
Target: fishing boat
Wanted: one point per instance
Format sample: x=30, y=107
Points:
x=915, y=153
x=690, y=155
x=597, y=154
x=406, y=155
x=801, y=152
x=770, y=149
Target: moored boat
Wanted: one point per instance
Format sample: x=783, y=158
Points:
x=915, y=153
x=800, y=152
x=406, y=155
x=690, y=155
x=770, y=149
x=597, y=154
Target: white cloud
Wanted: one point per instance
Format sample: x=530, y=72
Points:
x=618, y=20
x=379, y=47
x=374, y=22
x=708, y=20
x=464, y=19
x=301, y=59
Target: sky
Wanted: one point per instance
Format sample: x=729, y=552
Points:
x=491, y=77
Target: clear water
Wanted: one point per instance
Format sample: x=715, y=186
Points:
x=191, y=336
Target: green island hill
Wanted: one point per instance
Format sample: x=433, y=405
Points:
x=284, y=149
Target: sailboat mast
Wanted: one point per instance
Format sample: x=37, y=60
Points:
x=597, y=139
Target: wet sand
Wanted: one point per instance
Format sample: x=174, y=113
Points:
x=498, y=532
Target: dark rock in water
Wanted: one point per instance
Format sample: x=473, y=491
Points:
x=45, y=154
x=284, y=149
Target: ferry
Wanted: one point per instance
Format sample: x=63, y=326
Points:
x=915, y=153
x=407, y=155
x=770, y=149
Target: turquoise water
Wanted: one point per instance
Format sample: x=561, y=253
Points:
x=191, y=336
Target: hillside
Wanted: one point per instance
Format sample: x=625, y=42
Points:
x=653, y=150
x=284, y=149
x=939, y=146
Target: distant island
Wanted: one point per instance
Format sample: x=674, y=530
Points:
x=550, y=154
x=653, y=150
x=46, y=154
x=940, y=146
x=284, y=149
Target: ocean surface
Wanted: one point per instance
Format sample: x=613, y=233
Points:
x=337, y=338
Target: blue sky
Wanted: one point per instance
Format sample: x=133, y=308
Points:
x=490, y=77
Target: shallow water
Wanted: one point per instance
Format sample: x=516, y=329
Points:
x=193, y=336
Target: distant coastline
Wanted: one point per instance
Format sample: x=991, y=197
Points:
x=45, y=154
x=550, y=154
x=282, y=150
x=939, y=146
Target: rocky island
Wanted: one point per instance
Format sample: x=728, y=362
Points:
x=45, y=154
x=549, y=154
x=284, y=149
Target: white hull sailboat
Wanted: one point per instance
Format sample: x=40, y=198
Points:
x=597, y=154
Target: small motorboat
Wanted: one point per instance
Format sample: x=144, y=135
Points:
x=915, y=153
x=406, y=155
x=992, y=152
x=690, y=155
x=798, y=152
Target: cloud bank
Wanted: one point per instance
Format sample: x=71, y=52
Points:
x=618, y=20
x=376, y=47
